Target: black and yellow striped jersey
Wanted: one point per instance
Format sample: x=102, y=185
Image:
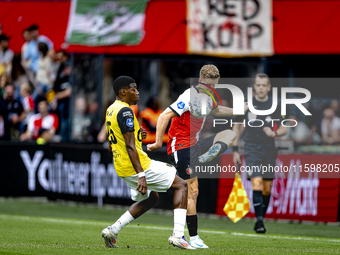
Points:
x=119, y=120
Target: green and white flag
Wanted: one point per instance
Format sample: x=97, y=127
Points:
x=101, y=22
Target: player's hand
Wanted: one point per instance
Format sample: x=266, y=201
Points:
x=142, y=186
x=246, y=107
x=236, y=158
x=143, y=133
x=269, y=132
x=153, y=146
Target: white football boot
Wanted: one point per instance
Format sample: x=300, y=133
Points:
x=210, y=154
x=180, y=243
x=110, y=238
x=197, y=243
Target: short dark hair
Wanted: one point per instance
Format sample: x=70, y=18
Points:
x=43, y=48
x=122, y=82
x=65, y=53
x=262, y=76
x=33, y=27
x=41, y=99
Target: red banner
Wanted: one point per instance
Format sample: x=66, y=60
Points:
x=308, y=198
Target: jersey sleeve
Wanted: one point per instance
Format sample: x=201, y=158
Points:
x=30, y=126
x=55, y=122
x=125, y=119
x=181, y=105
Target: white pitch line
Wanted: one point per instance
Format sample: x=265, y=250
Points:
x=85, y=222
x=286, y=237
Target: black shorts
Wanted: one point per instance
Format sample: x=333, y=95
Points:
x=257, y=156
x=186, y=159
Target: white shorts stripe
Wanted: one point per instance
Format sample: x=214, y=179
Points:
x=173, y=143
x=175, y=157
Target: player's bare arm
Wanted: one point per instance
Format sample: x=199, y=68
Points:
x=143, y=133
x=133, y=154
x=224, y=111
x=162, y=124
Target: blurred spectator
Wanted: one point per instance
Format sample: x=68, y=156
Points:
x=6, y=55
x=43, y=73
x=32, y=54
x=4, y=80
x=42, y=125
x=26, y=34
x=148, y=119
x=27, y=103
x=54, y=66
x=334, y=104
x=4, y=135
x=299, y=134
x=15, y=111
x=81, y=121
x=63, y=91
x=330, y=127
x=18, y=75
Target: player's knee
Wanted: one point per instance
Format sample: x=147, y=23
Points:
x=265, y=192
x=154, y=197
x=193, y=194
x=257, y=184
x=183, y=185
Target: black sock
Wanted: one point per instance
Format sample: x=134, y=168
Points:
x=224, y=147
x=192, y=224
x=258, y=204
x=266, y=200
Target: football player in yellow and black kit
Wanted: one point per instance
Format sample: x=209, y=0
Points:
x=144, y=176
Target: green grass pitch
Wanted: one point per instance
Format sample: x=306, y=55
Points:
x=28, y=227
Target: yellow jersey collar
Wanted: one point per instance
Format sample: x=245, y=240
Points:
x=121, y=102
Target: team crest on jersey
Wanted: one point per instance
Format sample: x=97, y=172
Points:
x=180, y=105
x=189, y=170
x=129, y=122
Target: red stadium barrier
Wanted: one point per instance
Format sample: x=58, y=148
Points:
x=297, y=28
x=306, y=198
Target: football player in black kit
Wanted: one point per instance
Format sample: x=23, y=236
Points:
x=260, y=149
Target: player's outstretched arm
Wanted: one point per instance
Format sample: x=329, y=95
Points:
x=133, y=154
x=223, y=111
x=162, y=124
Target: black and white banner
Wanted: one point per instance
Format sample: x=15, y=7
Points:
x=76, y=172
x=230, y=27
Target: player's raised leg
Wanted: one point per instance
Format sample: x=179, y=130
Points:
x=180, y=201
x=222, y=142
x=137, y=209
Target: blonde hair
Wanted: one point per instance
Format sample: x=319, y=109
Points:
x=26, y=87
x=209, y=74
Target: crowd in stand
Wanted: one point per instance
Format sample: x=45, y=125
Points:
x=34, y=89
